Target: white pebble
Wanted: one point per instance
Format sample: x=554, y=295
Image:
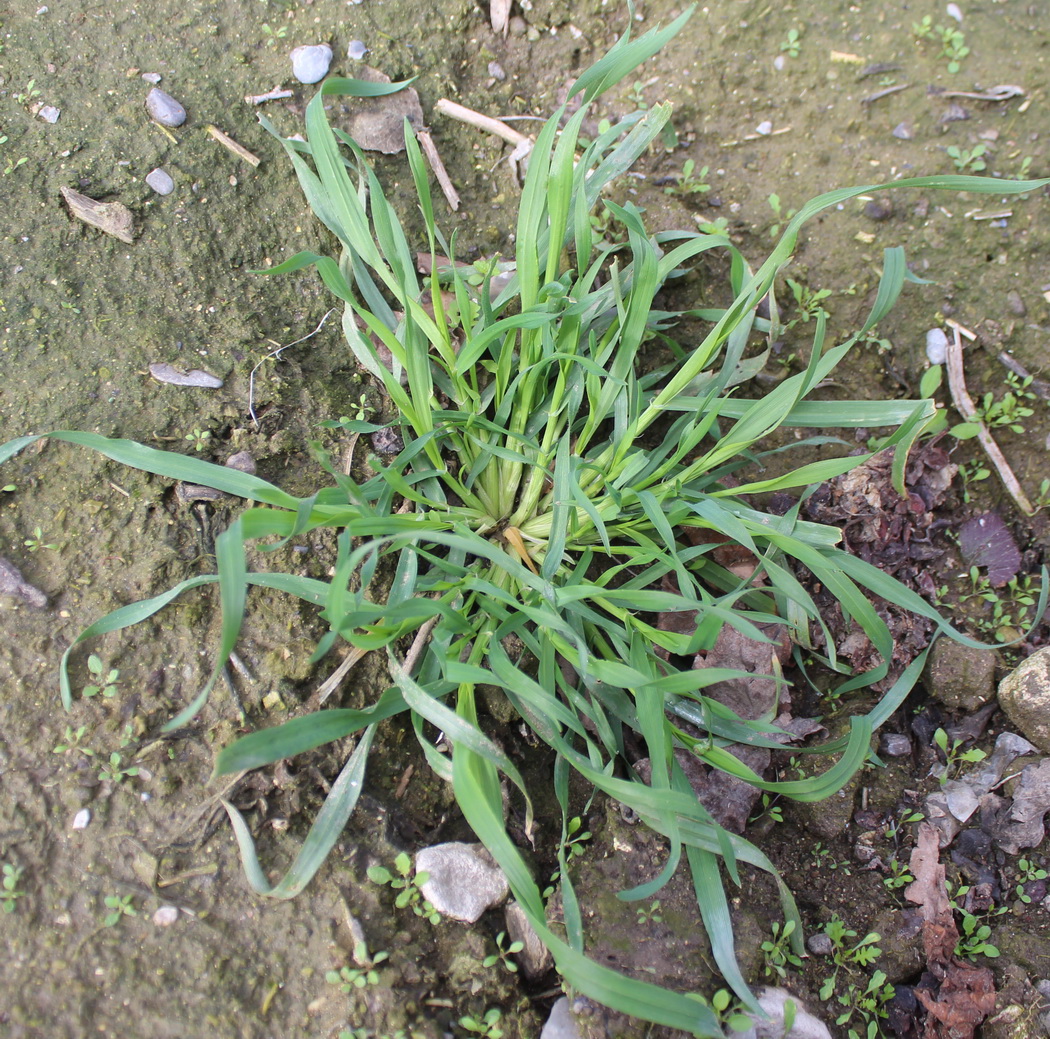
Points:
x=49, y=113
x=779, y=62
x=81, y=819
x=166, y=916
x=953, y=11
x=310, y=64
x=164, y=109
x=356, y=51
x=160, y=181
x=152, y=77
x=936, y=346
x=765, y=128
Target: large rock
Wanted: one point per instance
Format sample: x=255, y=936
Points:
x=960, y=677
x=464, y=881
x=1024, y=695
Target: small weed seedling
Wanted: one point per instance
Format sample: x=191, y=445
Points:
x=729, y=1012
x=503, y=953
x=971, y=160
x=777, y=954
x=953, y=46
x=361, y=975
x=898, y=875
x=650, y=914
x=105, y=681
x=30, y=93
x=1027, y=873
x=973, y=938
x=71, y=742
x=846, y=955
x=198, y=438
x=113, y=771
x=954, y=754
x=923, y=30
x=808, y=302
x=770, y=810
x=686, y=183
x=780, y=214
x=36, y=542
x=119, y=906
x=823, y=859
x=273, y=35
x=407, y=884
x=866, y=1007
x=10, y=892
x=487, y=1027
x=791, y=44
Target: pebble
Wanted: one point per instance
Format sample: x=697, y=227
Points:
x=165, y=916
x=819, y=944
x=904, y=131
x=175, y=377
x=779, y=62
x=495, y=70
x=357, y=50
x=463, y=881
x=878, y=209
x=535, y=958
x=561, y=1024
x=936, y=346
x=773, y=1002
x=160, y=181
x=49, y=113
x=81, y=819
x=894, y=745
x=310, y=63
x=387, y=441
x=1024, y=696
x=242, y=461
x=152, y=77
x=765, y=128
x=164, y=109
x=1015, y=304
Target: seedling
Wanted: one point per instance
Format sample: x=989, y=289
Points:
x=688, y=184
x=119, y=906
x=792, y=44
x=971, y=159
x=973, y=938
x=361, y=975
x=781, y=215
x=36, y=542
x=650, y=914
x=105, y=681
x=843, y=954
x=113, y=771
x=407, y=884
x=71, y=742
x=898, y=876
x=504, y=951
x=770, y=810
x=487, y=1027
x=955, y=754
x=868, y=1004
x=729, y=1012
x=778, y=954
x=807, y=301
x=10, y=892
x=198, y=438
x=1027, y=872
x=273, y=35
x=923, y=30
x=31, y=91
x=953, y=46
x=823, y=858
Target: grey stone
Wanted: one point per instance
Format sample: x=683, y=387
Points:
x=561, y=1024
x=463, y=881
x=160, y=181
x=356, y=50
x=310, y=64
x=164, y=109
x=960, y=677
x=1024, y=696
x=894, y=745
x=773, y=1001
x=819, y=944
x=535, y=958
x=49, y=113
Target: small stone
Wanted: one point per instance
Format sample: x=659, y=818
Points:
x=819, y=944
x=152, y=77
x=173, y=376
x=894, y=745
x=49, y=113
x=936, y=346
x=242, y=461
x=164, y=109
x=387, y=441
x=878, y=209
x=165, y=916
x=765, y=128
x=464, y=881
x=81, y=819
x=495, y=70
x=961, y=677
x=535, y=958
x=904, y=131
x=779, y=62
x=160, y=181
x=560, y=1024
x=310, y=63
x=1024, y=696
x=357, y=50
x=774, y=1001
x=1015, y=304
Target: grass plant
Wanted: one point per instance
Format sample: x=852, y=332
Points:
x=558, y=448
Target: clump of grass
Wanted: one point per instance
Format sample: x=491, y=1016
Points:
x=534, y=523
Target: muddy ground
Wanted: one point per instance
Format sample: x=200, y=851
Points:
x=83, y=315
